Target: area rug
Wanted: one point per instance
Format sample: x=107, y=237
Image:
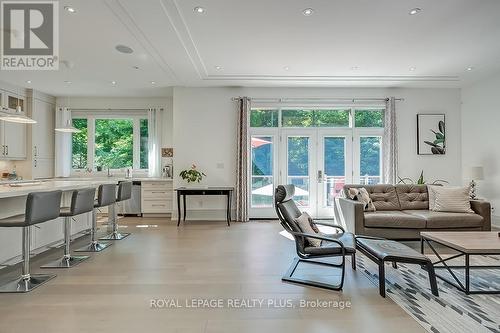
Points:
x=453, y=311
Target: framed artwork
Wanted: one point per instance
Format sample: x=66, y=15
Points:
x=167, y=152
x=431, y=134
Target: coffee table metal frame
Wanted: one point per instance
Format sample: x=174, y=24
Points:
x=462, y=286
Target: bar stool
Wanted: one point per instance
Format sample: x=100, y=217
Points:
x=124, y=193
x=106, y=196
x=82, y=201
x=40, y=207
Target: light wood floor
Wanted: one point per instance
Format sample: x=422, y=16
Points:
x=112, y=291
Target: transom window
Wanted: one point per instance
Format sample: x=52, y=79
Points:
x=114, y=142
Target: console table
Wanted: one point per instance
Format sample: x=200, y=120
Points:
x=185, y=191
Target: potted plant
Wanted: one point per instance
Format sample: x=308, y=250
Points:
x=192, y=175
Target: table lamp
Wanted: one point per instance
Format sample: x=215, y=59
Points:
x=476, y=173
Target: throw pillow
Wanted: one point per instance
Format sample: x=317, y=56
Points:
x=432, y=196
x=361, y=194
x=311, y=222
x=305, y=226
x=452, y=199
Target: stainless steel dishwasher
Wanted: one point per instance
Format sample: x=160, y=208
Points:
x=132, y=206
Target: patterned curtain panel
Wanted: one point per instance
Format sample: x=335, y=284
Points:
x=390, y=145
x=242, y=172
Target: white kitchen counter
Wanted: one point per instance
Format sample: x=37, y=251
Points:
x=7, y=191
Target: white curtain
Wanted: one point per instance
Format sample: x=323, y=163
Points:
x=390, y=144
x=154, y=141
x=62, y=144
x=242, y=168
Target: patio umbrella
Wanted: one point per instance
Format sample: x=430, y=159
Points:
x=268, y=190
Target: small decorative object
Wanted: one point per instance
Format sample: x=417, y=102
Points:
x=476, y=173
x=167, y=152
x=192, y=175
x=420, y=180
x=431, y=137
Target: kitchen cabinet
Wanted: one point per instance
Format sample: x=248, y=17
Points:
x=156, y=197
x=43, y=137
x=13, y=141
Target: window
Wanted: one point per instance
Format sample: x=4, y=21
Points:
x=315, y=118
x=370, y=167
x=264, y=118
x=262, y=171
x=112, y=142
x=369, y=118
x=79, y=141
x=144, y=149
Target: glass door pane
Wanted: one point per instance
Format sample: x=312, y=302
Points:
x=334, y=168
x=370, y=166
x=298, y=168
x=262, y=172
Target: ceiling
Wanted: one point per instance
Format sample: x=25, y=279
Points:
x=268, y=43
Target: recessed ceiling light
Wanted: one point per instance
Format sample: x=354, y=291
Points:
x=28, y=82
x=124, y=49
x=199, y=10
x=287, y=68
x=308, y=11
x=153, y=82
x=68, y=82
x=113, y=83
x=412, y=69
x=69, y=9
x=135, y=67
x=415, y=11
x=219, y=68
x=354, y=68
x=470, y=68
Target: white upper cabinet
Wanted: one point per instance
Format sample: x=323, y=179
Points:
x=43, y=130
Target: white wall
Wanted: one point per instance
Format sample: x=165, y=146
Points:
x=481, y=136
x=205, y=131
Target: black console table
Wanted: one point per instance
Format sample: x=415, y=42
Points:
x=185, y=191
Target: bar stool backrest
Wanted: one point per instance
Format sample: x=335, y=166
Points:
x=42, y=207
x=106, y=195
x=124, y=191
x=82, y=201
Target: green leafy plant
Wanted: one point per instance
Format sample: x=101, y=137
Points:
x=438, y=146
x=420, y=181
x=192, y=175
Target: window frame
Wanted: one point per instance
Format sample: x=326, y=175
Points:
x=135, y=117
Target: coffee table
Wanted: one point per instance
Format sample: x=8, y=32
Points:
x=467, y=244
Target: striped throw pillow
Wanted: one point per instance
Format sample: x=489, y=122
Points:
x=451, y=199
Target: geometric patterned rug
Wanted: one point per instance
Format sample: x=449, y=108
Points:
x=453, y=311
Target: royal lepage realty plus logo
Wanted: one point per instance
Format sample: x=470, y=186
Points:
x=30, y=35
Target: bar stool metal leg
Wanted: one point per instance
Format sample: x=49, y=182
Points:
x=27, y=281
x=67, y=261
x=114, y=235
x=94, y=245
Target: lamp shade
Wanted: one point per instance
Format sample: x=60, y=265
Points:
x=477, y=173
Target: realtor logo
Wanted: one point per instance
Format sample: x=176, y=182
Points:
x=29, y=35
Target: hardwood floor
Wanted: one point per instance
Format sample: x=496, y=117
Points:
x=112, y=291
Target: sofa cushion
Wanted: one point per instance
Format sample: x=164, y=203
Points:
x=384, y=196
x=413, y=196
x=443, y=220
x=393, y=219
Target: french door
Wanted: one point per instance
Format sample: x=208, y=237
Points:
x=318, y=163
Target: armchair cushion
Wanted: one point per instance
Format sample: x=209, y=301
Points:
x=326, y=247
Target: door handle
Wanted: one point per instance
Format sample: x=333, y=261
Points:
x=320, y=176
x=7, y=150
